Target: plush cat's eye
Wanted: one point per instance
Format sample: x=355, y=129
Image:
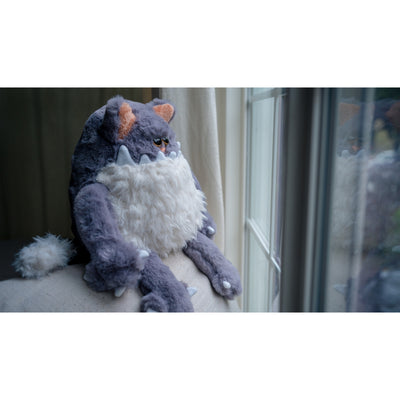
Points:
x=157, y=142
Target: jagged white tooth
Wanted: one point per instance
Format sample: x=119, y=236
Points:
x=124, y=157
x=179, y=145
x=160, y=156
x=144, y=159
x=172, y=155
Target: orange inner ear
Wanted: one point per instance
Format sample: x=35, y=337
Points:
x=165, y=111
x=127, y=119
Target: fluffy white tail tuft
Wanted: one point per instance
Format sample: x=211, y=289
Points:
x=42, y=256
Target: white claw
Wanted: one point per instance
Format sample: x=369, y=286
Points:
x=118, y=292
x=226, y=284
x=172, y=154
x=151, y=310
x=179, y=153
x=124, y=157
x=191, y=290
x=160, y=156
x=144, y=159
x=179, y=145
x=210, y=230
x=143, y=253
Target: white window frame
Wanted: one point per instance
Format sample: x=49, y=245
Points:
x=234, y=122
x=251, y=225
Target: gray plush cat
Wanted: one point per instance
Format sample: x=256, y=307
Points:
x=134, y=200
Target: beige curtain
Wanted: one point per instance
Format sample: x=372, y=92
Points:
x=196, y=127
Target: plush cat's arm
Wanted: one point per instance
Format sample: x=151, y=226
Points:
x=114, y=262
x=223, y=276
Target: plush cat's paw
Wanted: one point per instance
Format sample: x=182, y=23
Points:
x=162, y=292
x=227, y=284
x=154, y=302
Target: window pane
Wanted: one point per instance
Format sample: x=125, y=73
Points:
x=258, y=285
x=258, y=90
x=364, y=253
x=261, y=164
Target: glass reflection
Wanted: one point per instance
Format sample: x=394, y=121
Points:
x=364, y=255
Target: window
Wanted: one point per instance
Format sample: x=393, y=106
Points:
x=263, y=215
x=363, y=258
x=341, y=233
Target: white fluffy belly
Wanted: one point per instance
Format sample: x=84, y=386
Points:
x=157, y=205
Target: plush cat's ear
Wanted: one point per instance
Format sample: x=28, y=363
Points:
x=126, y=118
x=165, y=110
x=118, y=119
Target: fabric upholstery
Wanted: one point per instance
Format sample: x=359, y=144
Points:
x=65, y=291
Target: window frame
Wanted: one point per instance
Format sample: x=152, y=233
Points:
x=309, y=162
x=251, y=227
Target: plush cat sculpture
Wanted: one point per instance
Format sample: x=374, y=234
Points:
x=134, y=200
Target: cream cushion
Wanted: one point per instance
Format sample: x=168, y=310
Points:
x=66, y=291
